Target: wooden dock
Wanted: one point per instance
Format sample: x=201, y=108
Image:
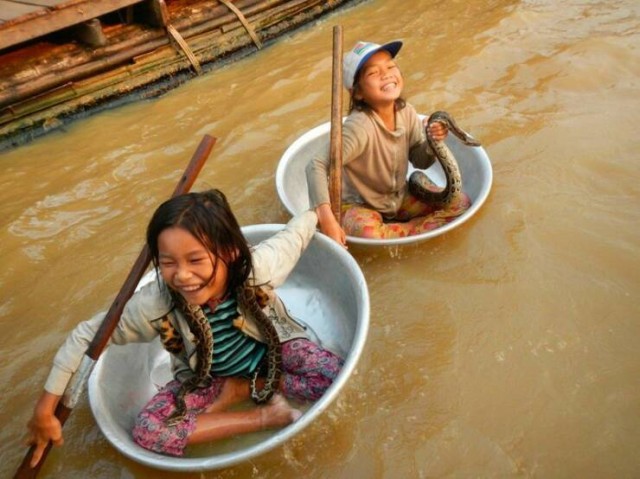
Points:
x=23, y=20
x=60, y=60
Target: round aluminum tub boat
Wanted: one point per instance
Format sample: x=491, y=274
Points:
x=474, y=164
x=326, y=291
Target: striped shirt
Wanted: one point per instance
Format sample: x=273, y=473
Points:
x=234, y=353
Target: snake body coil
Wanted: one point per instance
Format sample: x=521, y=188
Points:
x=199, y=325
x=247, y=296
x=421, y=186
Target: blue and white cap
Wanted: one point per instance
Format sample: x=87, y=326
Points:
x=359, y=54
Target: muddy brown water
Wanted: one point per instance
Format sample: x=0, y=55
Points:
x=505, y=348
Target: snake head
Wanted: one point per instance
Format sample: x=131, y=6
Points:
x=439, y=116
x=447, y=120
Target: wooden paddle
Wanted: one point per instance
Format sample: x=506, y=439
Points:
x=335, y=148
x=99, y=342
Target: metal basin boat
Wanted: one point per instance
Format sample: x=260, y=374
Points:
x=326, y=291
x=474, y=164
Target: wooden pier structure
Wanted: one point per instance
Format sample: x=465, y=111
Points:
x=60, y=59
x=21, y=21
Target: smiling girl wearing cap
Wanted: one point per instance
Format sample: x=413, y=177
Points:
x=381, y=135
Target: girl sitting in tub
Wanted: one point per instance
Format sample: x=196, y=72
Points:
x=216, y=312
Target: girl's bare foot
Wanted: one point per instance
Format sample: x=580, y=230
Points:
x=234, y=390
x=278, y=413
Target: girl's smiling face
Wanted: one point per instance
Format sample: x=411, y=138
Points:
x=380, y=82
x=188, y=267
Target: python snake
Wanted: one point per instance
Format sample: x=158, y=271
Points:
x=247, y=296
x=420, y=185
x=200, y=327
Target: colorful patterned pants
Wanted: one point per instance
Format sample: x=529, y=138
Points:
x=413, y=217
x=307, y=372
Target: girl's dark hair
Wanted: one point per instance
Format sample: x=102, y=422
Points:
x=208, y=217
x=362, y=105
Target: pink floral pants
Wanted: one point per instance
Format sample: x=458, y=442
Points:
x=413, y=217
x=307, y=371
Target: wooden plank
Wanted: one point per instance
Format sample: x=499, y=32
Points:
x=40, y=21
x=11, y=10
x=42, y=3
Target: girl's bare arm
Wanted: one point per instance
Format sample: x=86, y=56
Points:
x=44, y=426
x=329, y=225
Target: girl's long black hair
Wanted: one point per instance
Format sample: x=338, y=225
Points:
x=208, y=217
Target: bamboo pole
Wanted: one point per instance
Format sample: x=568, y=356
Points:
x=276, y=13
x=148, y=67
x=13, y=90
x=60, y=64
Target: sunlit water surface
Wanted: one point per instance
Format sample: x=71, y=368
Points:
x=505, y=348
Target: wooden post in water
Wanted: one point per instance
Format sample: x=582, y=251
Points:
x=335, y=148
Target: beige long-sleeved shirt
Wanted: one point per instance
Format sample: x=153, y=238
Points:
x=375, y=161
x=273, y=260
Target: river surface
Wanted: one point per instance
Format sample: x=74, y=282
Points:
x=507, y=347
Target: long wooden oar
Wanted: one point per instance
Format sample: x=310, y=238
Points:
x=78, y=379
x=335, y=147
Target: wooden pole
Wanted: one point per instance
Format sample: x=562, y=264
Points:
x=335, y=149
x=110, y=321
